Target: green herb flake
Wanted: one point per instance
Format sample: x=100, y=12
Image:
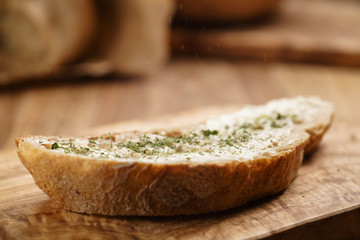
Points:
x=111, y=141
x=55, y=146
x=207, y=133
x=275, y=125
x=245, y=125
x=280, y=116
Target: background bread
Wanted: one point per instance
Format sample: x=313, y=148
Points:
x=83, y=38
x=147, y=187
x=38, y=36
x=133, y=34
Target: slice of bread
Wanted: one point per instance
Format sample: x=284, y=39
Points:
x=218, y=164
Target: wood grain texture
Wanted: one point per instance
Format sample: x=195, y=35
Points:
x=69, y=108
x=327, y=185
x=318, y=31
x=322, y=202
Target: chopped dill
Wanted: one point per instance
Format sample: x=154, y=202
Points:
x=208, y=132
x=235, y=137
x=55, y=146
x=111, y=141
x=280, y=116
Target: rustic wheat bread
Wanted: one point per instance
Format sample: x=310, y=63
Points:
x=38, y=36
x=216, y=165
x=133, y=35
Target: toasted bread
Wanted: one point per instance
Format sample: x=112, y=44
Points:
x=216, y=165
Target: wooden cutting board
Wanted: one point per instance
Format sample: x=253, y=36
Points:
x=323, y=202
x=319, y=31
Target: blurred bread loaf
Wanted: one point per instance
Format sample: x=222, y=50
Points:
x=38, y=35
x=128, y=37
x=133, y=34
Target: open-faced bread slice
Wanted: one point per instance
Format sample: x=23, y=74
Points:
x=218, y=164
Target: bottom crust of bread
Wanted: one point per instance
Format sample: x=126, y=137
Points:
x=108, y=187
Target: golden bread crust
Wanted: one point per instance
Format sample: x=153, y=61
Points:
x=111, y=188
x=150, y=188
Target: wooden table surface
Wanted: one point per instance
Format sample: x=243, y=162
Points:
x=72, y=106
x=317, y=31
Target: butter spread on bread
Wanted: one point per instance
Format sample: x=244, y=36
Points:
x=218, y=164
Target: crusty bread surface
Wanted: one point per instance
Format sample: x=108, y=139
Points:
x=175, y=184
